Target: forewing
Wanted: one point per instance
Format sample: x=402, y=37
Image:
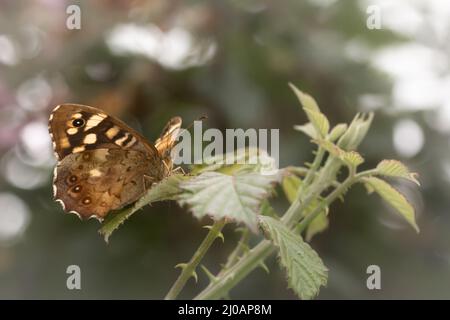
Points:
x=168, y=137
x=97, y=130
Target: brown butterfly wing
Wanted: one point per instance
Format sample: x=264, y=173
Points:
x=95, y=130
x=167, y=139
x=103, y=164
x=94, y=182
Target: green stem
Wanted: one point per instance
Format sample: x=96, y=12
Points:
x=240, y=247
x=237, y=272
x=328, y=200
x=231, y=277
x=300, y=171
x=188, y=270
x=315, y=166
x=366, y=173
x=326, y=177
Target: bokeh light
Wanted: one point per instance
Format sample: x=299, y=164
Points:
x=408, y=138
x=14, y=218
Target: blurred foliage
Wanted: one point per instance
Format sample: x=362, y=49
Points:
x=244, y=53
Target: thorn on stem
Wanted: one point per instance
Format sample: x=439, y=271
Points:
x=195, y=276
x=220, y=235
x=264, y=267
x=210, y=276
x=181, y=266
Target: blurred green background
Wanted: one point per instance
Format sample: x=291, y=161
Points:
x=146, y=61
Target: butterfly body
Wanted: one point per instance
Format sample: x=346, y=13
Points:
x=103, y=164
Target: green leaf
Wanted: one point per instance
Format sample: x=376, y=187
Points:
x=305, y=99
x=305, y=270
x=291, y=185
x=307, y=129
x=350, y=158
x=319, y=121
x=267, y=209
x=337, y=132
x=318, y=225
x=317, y=118
x=237, y=197
x=167, y=189
x=330, y=147
x=299, y=171
x=394, y=198
x=356, y=132
x=394, y=168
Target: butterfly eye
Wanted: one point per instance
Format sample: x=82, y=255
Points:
x=78, y=122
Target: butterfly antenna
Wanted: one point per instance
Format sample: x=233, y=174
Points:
x=204, y=117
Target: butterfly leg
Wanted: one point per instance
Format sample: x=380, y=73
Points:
x=179, y=169
x=148, y=181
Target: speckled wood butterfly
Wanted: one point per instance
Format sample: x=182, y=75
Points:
x=103, y=164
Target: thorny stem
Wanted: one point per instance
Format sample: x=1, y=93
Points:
x=188, y=270
x=237, y=272
x=240, y=247
x=237, y=268
x=231, y=276
x=315, y=165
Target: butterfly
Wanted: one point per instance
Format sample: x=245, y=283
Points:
x=102, y=163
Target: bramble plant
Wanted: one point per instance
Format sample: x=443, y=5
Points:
x=240, y=193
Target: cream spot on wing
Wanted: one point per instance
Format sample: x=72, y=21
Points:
x=56, y=108
x=77, y=116
x=95, y=173
x=132, y=142
x=72, y=131
x=112, y=132
x=64, y=142
x=78, y=149
x=51, y=117
x=120, y=141
x=55, y=190
x=94, y=120
x=90, y=138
